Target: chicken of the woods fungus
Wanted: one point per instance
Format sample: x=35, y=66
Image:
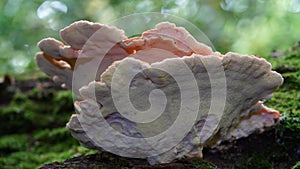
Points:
x=147, y=61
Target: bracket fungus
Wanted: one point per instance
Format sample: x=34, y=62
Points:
x=227, y=101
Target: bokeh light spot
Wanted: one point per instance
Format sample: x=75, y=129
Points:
x=49, y=8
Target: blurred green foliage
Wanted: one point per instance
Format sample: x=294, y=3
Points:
x=245, y=26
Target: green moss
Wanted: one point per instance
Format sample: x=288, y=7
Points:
x=254, y=162
x=35, y=154
x=13, y=143
x=34, y=132
x=287, y=103
x=20, y=160
x=287, y=98
x=36, y=109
